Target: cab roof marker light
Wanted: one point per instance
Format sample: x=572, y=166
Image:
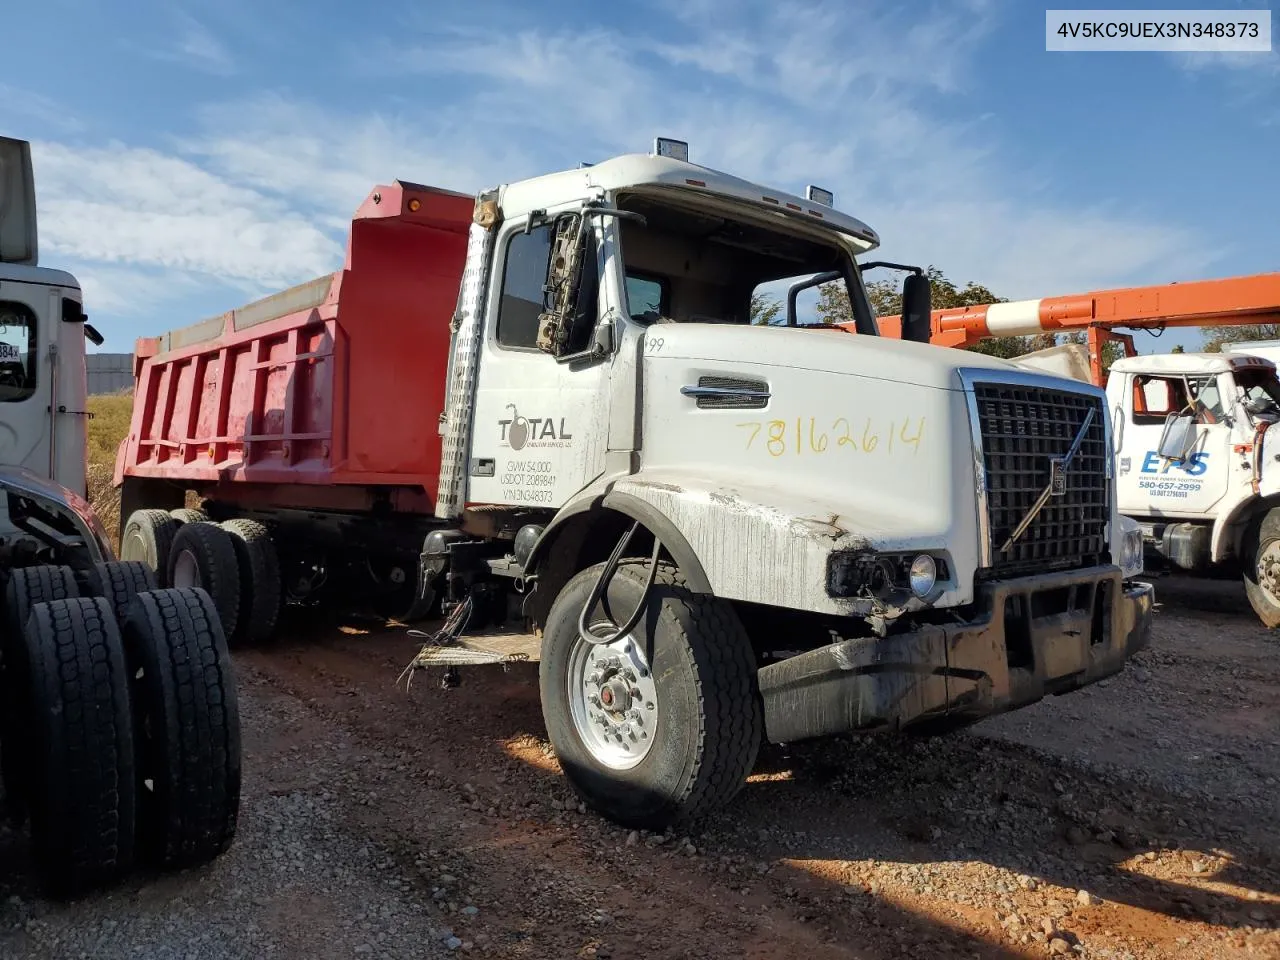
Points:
x=673, y=149
x=818, y=195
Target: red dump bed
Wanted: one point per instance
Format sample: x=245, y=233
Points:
x=338, y=381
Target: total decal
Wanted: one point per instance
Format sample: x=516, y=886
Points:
x=531, y=479
x=520, y=432
x=1175, y=479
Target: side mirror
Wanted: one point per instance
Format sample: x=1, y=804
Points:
x=917, y=308
x=602, y=343
x=1260, y=407
x=1178, y=437
x=560, y=292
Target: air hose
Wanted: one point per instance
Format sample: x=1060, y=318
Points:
x=602, y=583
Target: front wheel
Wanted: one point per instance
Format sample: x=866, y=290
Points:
x=663, y=726
x=1261, y=556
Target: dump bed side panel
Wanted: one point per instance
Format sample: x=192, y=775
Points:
x=247, y=406
x=333, y=383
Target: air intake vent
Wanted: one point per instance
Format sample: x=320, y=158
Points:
x=729, y=393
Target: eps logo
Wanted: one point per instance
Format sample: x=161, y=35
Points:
x=1193, y=466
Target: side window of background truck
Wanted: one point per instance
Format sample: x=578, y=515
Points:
x=17, y=352
x=524, y=272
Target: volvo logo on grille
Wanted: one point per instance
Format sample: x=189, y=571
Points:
x=1057, y=485
x=1058, y=477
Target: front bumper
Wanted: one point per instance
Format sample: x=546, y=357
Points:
x=1048, y=634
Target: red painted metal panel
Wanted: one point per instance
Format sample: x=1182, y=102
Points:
x=347, y=389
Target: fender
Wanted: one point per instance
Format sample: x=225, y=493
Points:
x=601, y=496
x=757, y=543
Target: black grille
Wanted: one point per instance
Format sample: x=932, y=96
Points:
x=1023, y=429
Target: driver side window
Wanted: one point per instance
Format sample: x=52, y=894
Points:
x=1155, y=398
x=524, y=271
x=17, y=352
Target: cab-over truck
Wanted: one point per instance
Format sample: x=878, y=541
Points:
x=545, y=413
x=119, y=725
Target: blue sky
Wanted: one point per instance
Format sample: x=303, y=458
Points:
x=192, y=157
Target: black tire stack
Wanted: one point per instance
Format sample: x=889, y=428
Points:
x=119, y=722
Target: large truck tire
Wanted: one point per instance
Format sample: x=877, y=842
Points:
x=119, y=582
x=261, y=589
x=187, y=515
x=1260, y=557
x=27, y=587
x=80, y=769
x=204, y=556
x=664, y=726
x=148, y=537
x=187, y=723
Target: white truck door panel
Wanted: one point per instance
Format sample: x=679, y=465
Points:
x=1153, y=486
x=540, y=429
x=25, y=376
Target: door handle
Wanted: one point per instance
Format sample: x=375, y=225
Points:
x=724, y=392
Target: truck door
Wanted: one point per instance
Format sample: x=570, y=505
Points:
x=1152, y=486
x=25, y=376
x=540, y=430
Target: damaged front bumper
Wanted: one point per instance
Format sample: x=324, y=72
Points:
x=1040, y=635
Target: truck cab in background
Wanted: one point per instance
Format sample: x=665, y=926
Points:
x=1199, y=463
x=43, y=328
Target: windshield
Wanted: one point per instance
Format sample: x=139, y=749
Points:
x=691, y=266
x=1259, y=391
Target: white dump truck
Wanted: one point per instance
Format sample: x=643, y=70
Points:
x=119, y=726
x=545, y=413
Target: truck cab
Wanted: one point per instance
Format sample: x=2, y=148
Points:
x=42, y=340
x=1194, y=450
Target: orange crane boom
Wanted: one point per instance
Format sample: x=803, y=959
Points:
x=1233, y=301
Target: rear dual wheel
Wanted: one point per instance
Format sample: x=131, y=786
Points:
x=234, y=561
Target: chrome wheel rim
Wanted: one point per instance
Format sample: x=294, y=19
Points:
x=613, y=700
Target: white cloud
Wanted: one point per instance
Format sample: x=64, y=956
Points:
x=139, y=207
x=845, y=95
x=194, y=45
x=869, y=101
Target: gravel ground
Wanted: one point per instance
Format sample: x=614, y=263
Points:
x=1140, y=818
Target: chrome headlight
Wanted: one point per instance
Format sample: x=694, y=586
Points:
x=924, y=574
x=1131, y=548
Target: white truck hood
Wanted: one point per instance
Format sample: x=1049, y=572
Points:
x=826, y=351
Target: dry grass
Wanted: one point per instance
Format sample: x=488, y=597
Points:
x=109, y=426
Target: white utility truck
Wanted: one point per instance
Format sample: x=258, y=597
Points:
x=1195, y=450
x=119, y=730
x=709, y=531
